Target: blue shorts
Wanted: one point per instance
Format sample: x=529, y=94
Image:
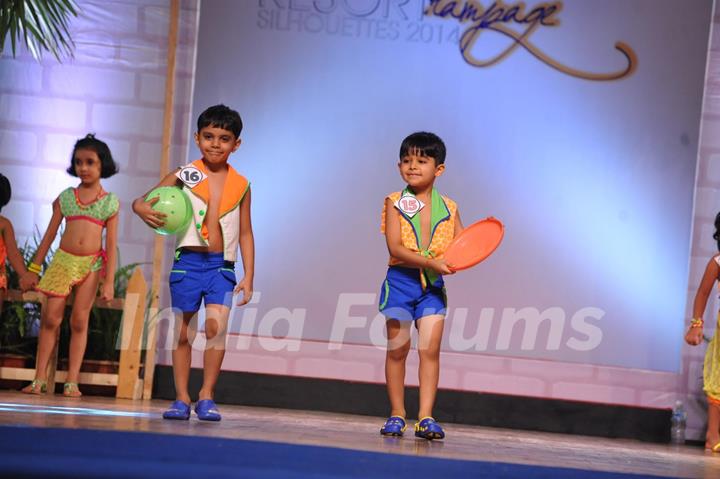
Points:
x=402, y=296
x=195, y=276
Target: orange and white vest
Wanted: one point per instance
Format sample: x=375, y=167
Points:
x=233, y=193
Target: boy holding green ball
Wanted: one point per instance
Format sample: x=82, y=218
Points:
x=206, y=252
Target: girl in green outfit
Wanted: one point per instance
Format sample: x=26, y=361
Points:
x=80, y=261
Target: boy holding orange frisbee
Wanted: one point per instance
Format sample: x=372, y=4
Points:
x=419, y=224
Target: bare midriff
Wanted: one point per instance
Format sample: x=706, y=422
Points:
x=81, y=237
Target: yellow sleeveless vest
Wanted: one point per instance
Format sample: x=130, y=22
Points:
x=442, y=228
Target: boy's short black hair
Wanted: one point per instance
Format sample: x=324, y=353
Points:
x=221, y=116
x=716, y=235
x=425, y=144
x=5, y=191
x=109, y=167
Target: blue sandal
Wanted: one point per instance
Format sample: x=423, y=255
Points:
x=427, y=428
x=394, y=426
x=206, y=410
x=178, y=410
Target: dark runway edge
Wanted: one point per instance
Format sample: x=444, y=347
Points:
x=28, y=452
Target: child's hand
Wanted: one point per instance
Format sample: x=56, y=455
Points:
x=107, y=291
x=440, y=266
x=694, y=336
x=144, y=210
x=28, y=281
x=247, y=289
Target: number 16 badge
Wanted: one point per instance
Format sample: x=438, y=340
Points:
x=191, y=176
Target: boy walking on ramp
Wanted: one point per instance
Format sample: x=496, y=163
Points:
x=204, y=267
x=419, y=223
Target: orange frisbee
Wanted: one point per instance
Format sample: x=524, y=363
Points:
x=474, y=244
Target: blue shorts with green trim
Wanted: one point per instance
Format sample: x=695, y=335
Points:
x=196, y=276
x=402, y=296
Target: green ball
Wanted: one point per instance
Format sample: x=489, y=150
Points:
x=176, y=205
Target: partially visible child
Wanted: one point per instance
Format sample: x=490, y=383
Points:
x=204, y=267
x=419, y=223
x=694, y=336
x=80, y=261
x=8, y=246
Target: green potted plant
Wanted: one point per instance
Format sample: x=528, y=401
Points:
x=42, y=25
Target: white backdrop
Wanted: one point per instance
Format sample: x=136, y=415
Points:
x=593, y=179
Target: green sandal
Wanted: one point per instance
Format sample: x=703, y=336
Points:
x=71, y=390
x=37, y=386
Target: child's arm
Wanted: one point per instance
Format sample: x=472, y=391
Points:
x=712, y=270
x=247, y=251
x=393, y=238
x=108, y=288
x=13, y=253
x=144, y=210
x=458, y=224
x=47, y=238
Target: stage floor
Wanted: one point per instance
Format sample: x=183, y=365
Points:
x=360, y=433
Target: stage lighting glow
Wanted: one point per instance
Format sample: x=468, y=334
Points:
x=78, y=411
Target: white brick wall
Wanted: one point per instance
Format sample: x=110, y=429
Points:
x=17, y=144
x=114, y=86
x=21, y=77
x=41, y=111
x=713, y=161
x=89, y=83
x=22, y=214
x=128, y=120
x=152, y=89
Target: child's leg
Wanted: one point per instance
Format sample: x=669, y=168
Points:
x=712, y=436
x=430, y=329
x=182, y=356
x=398, y=333
x=47, y=337
x=85, y=294
x=216, y=317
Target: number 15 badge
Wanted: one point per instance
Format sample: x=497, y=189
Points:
x=191, y=176
x=409, y=205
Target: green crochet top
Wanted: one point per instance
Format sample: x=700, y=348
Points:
x=97, y=211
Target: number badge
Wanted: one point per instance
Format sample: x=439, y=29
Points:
x=191, y=176
x=409, y=205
